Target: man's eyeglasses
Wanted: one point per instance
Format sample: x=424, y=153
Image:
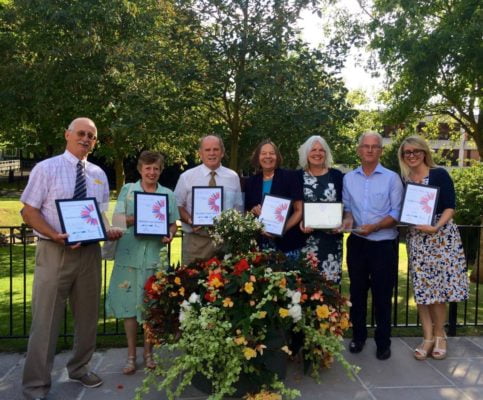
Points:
x=83, y=134
x=368, y=147
x=415, y=153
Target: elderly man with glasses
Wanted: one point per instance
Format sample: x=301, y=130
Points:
x=372, y=198
x=63, y=272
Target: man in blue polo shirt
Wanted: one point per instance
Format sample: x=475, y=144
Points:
x=372, y=198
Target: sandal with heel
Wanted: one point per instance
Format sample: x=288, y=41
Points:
x=149, y=363
x=439, y=353
x=130, y=366
x=421, y=352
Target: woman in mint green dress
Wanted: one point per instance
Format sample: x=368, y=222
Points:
x=137, y=257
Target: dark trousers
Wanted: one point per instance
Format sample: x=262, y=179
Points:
x=371, y=264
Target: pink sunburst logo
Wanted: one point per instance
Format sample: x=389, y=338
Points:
x=86, y=215
x=214, y=202
x=157, y=207
x=425, y=202
x=280, y=212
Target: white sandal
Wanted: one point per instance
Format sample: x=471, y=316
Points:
x=421, y=352
x=439, y=353
x=130, y=366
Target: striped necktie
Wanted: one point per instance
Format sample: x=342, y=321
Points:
x=80, y=190
x=212, y=181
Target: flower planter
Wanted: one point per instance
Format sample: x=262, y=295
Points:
x=275, y=362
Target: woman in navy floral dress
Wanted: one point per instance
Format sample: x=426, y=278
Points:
x=321, y=184
x=436, y=259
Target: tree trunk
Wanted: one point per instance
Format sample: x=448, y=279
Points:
x=120, y=176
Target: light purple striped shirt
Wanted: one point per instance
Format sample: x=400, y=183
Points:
x=54, y=178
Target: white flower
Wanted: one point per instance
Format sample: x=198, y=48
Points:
x=185, y=305
x=182, y=315
x=194, y=298
x=296, y=297
x=295, y=312
x=289, y=292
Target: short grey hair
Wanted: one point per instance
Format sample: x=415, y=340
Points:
x=370, y=133
x=220, y=140
x=85, y=119
x=305, y=148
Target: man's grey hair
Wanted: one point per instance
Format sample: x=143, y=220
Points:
x=88, y=120
x=220, y=140
x=370, y=133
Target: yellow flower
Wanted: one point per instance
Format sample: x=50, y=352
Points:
x=177, y=280
x=227, y=302
x=283, y=312
x=248, y=287
x=344, y=323
x=322, y=311
x=248, y=352
x=286, y=350
x=324, y=326
x=181, y=291
x=159, y=274
x=261, y=314
x=240, y=340
x=283, y=283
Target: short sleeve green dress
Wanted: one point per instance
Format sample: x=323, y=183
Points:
x=137, y=258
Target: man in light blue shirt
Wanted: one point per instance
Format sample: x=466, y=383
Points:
x=372, y=198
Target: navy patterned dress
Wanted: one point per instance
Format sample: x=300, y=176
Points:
x=325, y=245
x=437, y=264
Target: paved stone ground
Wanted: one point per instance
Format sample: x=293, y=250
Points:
x=458, y=377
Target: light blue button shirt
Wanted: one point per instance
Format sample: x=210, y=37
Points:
x=373, y=197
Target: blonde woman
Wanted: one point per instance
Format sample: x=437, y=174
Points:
x=436, y=259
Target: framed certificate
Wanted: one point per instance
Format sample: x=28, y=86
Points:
x=81, y=219
x=322, y=215
x=207, y=203
x=151, y=214
x=274, y=214
x=419, y=204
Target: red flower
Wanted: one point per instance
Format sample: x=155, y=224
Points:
x=149, y=287
x=257, y=259
x=209, y=296
x=240, y=266
x=215, y=279
x=212, y=261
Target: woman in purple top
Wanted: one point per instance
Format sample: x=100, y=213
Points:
x=436, y=259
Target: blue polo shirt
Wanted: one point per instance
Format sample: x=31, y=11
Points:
x=373, y=197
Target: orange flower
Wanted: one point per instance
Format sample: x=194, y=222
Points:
x=227, y=302
x=215, y=279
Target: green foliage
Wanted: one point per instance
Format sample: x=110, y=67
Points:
x=431, y=51
x=468, y=184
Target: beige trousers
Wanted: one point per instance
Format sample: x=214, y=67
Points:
x=197, y=246
x=61, y=273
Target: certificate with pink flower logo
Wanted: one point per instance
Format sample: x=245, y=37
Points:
x=207, y=203
x=274, y=214
x=419, y=204
x=151, y=214
x=81, y=219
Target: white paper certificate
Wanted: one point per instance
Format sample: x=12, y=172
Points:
x=151, y=214
x=322, y=215
x=81, y=219
x=207, y=203
x=274, y=214
x=419, y=204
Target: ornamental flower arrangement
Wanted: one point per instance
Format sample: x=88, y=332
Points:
x=234, y=320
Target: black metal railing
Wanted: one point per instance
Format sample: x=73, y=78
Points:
x=17, y=261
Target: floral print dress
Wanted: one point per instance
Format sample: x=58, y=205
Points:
x=437, y=264
x=326, y=246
